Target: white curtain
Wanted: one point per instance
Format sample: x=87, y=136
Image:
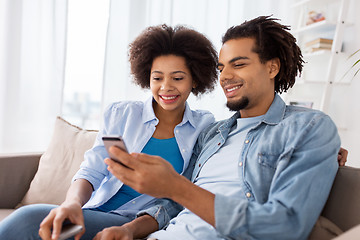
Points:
x=43, y=42
x=211, y=17
x=32, y=47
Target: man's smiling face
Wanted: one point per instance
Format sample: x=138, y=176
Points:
x=248, y=84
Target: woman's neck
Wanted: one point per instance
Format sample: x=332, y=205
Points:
x=167, y=121
x=170, y=117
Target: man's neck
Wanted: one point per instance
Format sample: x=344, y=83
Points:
x=257, y=109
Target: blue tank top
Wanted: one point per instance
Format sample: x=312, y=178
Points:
x=165, y=148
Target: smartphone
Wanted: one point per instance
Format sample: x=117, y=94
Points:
x=69, y=230
x=117, y=141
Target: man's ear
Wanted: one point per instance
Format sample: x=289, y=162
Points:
x=194, y=85
x=274, y=67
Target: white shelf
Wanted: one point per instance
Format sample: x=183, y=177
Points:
x=316, y=53
x=322, y=71
x=295, y=5
x=323, y=25
x=304, y=2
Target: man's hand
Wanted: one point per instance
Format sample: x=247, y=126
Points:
x=147, y=174
x=342, y=156
x=155, y=176
x=138, y=228
x=54, y=220
x=114, y=233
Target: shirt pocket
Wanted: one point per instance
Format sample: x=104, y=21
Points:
x=267, y=164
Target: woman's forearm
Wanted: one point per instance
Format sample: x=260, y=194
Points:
x=79, y=191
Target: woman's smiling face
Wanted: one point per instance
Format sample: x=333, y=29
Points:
x=170, y=82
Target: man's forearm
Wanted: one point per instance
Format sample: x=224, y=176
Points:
x=142, y=226
x=196, y=199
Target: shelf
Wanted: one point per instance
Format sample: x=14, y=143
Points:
x=303, y=2
x=304, y=81
x=295, y=5
x=320, y=71
x=323, y=25
x=317, y=53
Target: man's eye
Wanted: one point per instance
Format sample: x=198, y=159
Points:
x=239, y=65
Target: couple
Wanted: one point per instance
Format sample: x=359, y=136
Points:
x=265, y=173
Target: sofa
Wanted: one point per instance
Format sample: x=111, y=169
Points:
x=30, y=178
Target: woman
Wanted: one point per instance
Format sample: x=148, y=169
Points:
x=172, y=62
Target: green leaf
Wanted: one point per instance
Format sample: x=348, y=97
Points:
x=354, y=53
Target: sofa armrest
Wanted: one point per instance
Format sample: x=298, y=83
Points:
x=16, y=173
x=342, y=206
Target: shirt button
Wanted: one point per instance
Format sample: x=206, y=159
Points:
x=248, y=194
x=184, y=150
x=199, y=164
x=177, y=131
x=219, y=144
x=240, y=164
x=247, y=141
x=133, y=202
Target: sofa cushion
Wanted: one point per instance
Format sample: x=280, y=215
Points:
x=324, y=229
x=59, y=163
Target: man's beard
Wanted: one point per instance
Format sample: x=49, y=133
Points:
x=238, y=105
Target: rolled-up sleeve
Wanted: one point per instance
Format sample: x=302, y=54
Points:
x=162, y=211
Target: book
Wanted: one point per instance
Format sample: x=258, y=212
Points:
x=319, y=41
x=320, y=45
x=317, y=49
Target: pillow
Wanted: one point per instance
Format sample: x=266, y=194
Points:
x=324, y=229
x=59, y=163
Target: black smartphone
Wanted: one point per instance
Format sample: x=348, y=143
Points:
x=117, y=141
x=69, y=230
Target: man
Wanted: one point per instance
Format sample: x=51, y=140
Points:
x=266, y=172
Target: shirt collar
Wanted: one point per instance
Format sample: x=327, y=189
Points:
x=188, y=116
x=148, y=111
x=149, y=115
x=276, y=111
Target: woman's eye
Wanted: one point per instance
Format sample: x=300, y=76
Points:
x=156, y=78
x=178, y=78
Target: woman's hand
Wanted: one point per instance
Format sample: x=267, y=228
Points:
x=54, y=220
x=115, y=233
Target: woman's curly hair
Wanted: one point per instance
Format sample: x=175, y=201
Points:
x=199, y=53
x=272, y=41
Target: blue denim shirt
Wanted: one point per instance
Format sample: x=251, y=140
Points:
x=136, y=123
x=287, y=166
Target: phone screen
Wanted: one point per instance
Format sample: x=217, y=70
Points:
x=69, y=230
x=114, y=141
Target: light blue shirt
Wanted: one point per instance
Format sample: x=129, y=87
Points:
x=286, y=166
x=135, y=122
x=165, y=148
